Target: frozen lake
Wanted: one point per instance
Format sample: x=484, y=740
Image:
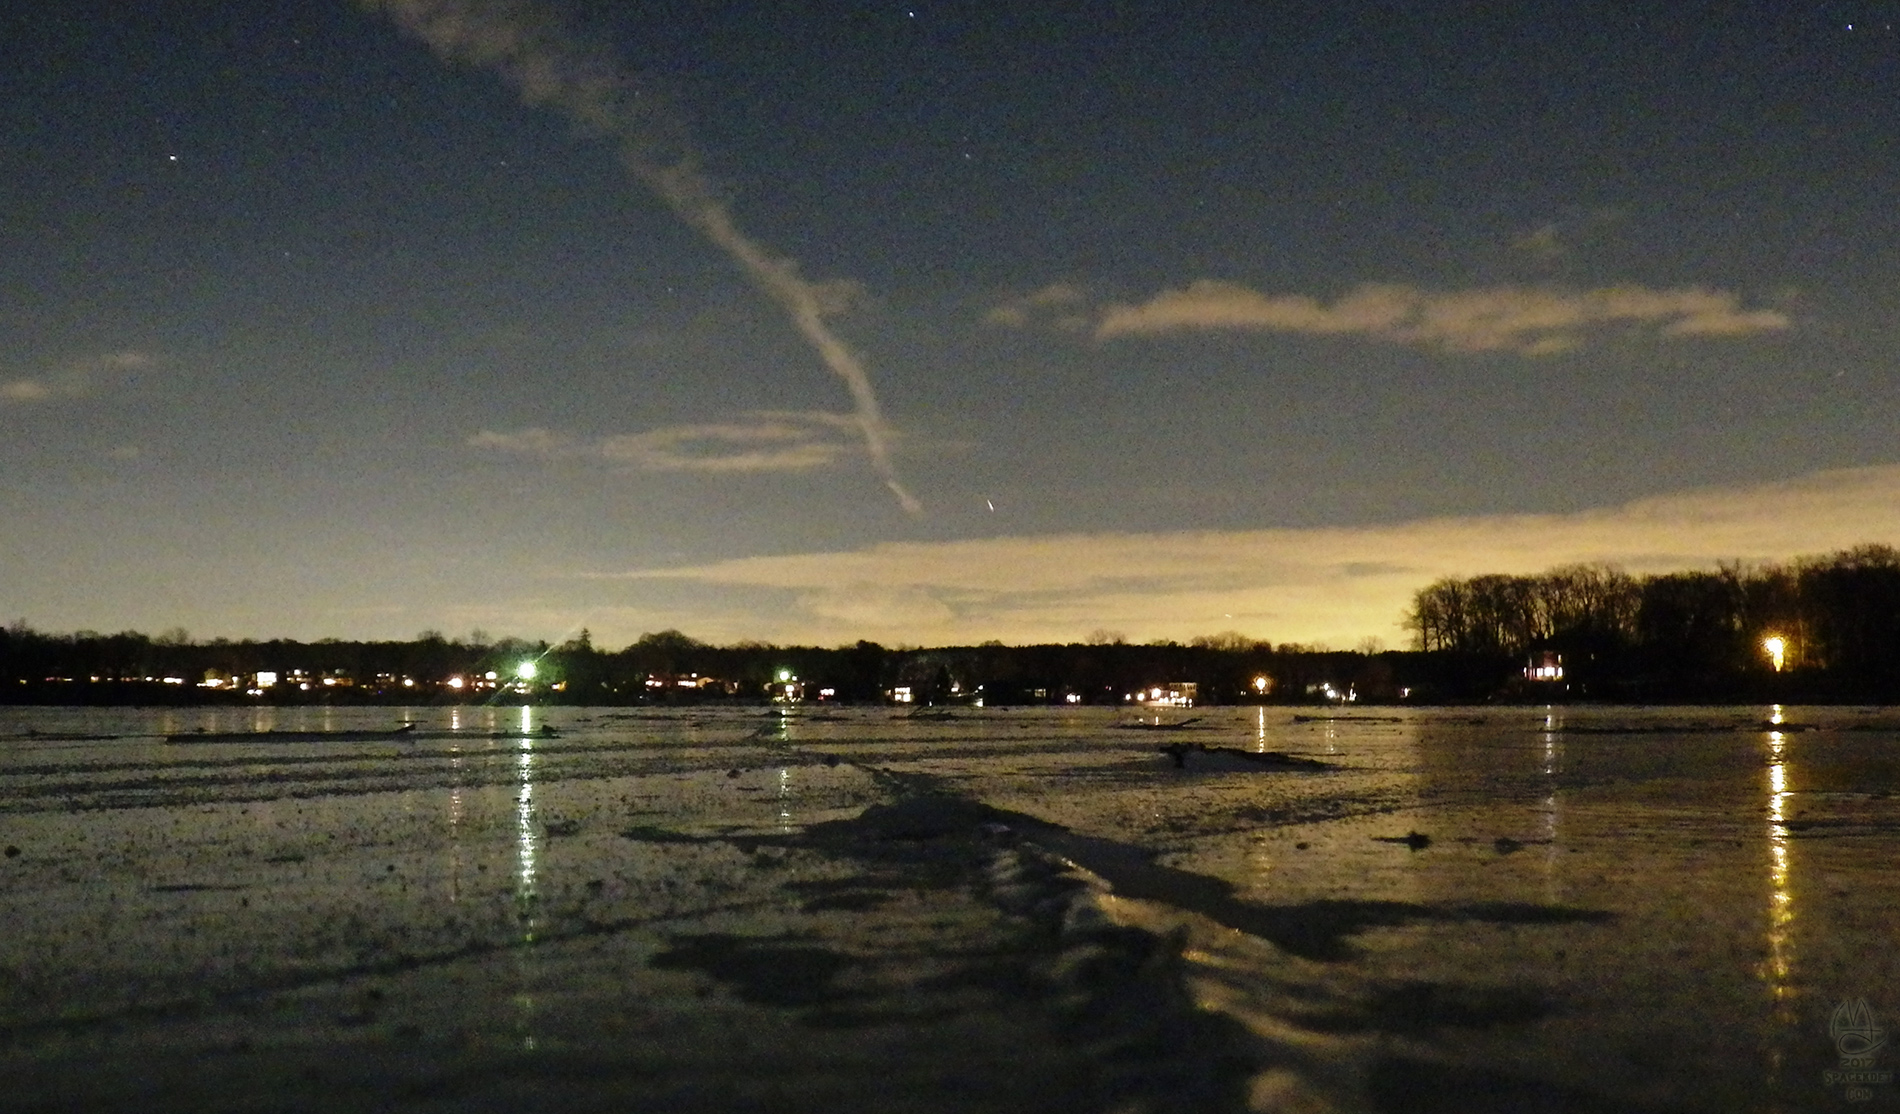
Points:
x=1492, y=909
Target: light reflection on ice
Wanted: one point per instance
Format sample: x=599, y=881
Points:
x=457, y=808
x=526, y=839
x=1553, y=754
x=527, y=844
x=1777, y=970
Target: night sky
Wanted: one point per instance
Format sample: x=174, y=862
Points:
x=1180, y=318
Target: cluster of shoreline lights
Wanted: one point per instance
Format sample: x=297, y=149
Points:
x=786, y=688
x=522, y=681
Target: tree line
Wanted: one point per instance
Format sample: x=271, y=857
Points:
x=662, y=667
x=1693, y=634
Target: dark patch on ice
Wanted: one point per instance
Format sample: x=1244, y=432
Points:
x=647, y=833
x=1524, y=912
x=1417, y=1007
x=763, y=971
x=878, y=1017
x=1200, y=757
x=1315, y=929
x=1412, y=1086
x=933, y=824
x=1119, y=992
x=1674, y=728
x=855, y=899
x=192, y=888
x=1820, y=829
x=1416, y=840
x=918, y=819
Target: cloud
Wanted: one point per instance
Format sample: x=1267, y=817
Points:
x=1543, y=243
x=27, y=390
x=1333, y=585
x=527, y=46
x=77, y=379
x=1057, y=305
x=760, y=441
x=1527, y=320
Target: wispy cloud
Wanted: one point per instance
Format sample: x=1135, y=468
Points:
x=1336, y=585
x=756, y=442
x=77, y=379
x=1527, y=320
x=1058, y=305
x=1543, y=243
x=526, y=45
x=1563, y=237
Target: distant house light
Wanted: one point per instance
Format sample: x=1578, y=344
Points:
x=1546, y=666
x=1179, y=694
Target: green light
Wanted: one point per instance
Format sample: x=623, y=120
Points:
x=784, y=675
x=525, y=671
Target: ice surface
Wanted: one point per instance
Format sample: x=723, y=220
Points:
x=1008, y=910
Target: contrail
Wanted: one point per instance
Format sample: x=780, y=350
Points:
x=530, y=50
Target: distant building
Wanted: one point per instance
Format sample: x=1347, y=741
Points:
x=786, y=688
x=1545, y=666
x=1174, y=694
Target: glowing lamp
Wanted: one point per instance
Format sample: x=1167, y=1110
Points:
x=1776, y=647
x=525, y=671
